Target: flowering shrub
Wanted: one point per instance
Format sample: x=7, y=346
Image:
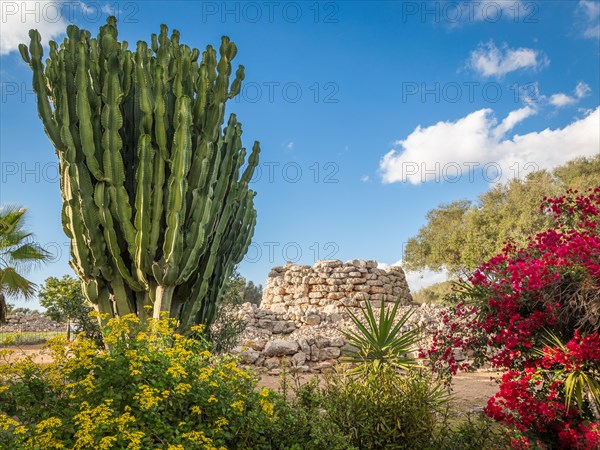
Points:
x=502, y=315
x=150, y=389
x=534, y=399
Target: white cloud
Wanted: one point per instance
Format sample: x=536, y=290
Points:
x=513, y=119
x=561, y=99
x=581, y=90
x=364, y=178
x=419, y=279
x=491, y=61
x=288, y=145
x=450, y=150
x=424, y=278
x=19, y=17
x=588, y=14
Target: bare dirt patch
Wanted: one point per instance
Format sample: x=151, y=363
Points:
x=471, y=391
x=36, y=351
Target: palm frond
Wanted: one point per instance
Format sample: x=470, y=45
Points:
x=14, y=285
x=26, y=255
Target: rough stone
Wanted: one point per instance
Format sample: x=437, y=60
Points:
x=329, y=353
x=299, y=358
x=271, y=363
x=312, y=320
x=280, y=347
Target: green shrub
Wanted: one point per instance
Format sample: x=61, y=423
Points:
x=224, y=333
x=384, y=409
x=149, y=389
x=301, y=422
x=474, y=432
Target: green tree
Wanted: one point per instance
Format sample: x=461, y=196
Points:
x=252, y=292
x=461, y=235
x=224, y=332
x=19, y=253
x=436, y=293
x=64, y=302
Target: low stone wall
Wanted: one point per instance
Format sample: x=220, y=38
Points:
x=269, y=340
x=31, y=323
x=304, y=312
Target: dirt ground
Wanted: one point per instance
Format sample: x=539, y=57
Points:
x=470, y=390
x=27, y=350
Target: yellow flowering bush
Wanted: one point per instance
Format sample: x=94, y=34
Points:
x=150, y=388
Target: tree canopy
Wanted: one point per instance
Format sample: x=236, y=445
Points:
x=462, y=234
x=64, y=302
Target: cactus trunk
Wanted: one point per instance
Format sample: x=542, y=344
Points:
x=155, y=201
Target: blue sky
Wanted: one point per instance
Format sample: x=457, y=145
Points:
x=369, y=114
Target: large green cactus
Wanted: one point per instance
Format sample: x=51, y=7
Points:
x=155, y=201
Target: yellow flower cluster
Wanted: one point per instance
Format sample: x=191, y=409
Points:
x=239, y=406
x=92, y=423
x=148, y=397
x=183, y=388
x=157, y=365
x=267, y=406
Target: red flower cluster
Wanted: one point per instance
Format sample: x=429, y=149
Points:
x=521, y=402
x=533, y=400
x=575, y=354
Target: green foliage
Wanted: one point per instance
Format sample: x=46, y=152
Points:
x=64, y=302
x=461, y=235
x=155, y=190
x=475, y=432
x=303, y=423
x=437, y=293
x=12, y=309
x=253, y=293
x=225, y=331
x=18, y=254
x=151, y=389
x=380, y=340
x=11, y=339
x=384, y=410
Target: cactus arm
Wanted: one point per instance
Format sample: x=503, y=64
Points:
x=114, y=169
x=102, y=200
x=142, y=206
x=39, y=85
x=177, y=185
x=84, y=113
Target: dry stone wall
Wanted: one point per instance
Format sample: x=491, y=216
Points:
x=34, y=322
x=302, y=315
x=305, y=293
